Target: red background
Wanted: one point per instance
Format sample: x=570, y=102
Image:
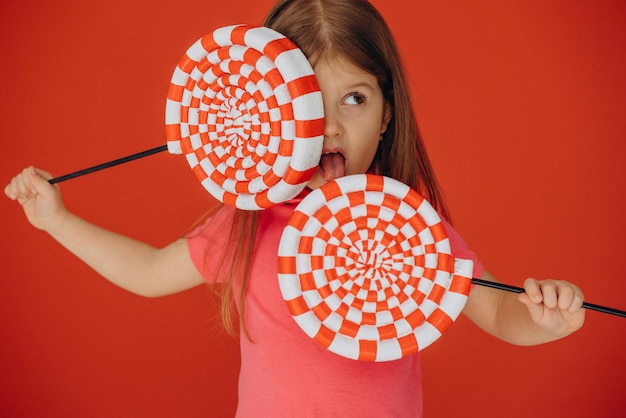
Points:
x=522, y=105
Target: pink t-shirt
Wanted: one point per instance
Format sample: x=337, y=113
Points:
x=284, y=373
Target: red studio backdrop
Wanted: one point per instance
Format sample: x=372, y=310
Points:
x=522, y=106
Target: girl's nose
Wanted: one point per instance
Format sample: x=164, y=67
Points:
x=332, y=127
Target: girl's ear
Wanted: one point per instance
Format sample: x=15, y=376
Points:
x=387, y=112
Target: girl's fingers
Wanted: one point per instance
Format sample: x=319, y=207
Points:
x=554, y=294
x=577, y=299
x=554, y=305
x=533, y=290
x=549, y=293
x=28, y=184
x=44, y=175
x=19, y=186
x=39, y=180
x=565, y=296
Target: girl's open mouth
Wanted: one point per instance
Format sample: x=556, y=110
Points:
x=333, y=165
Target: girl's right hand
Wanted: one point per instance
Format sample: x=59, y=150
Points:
x=133, y=265
x=40, y=200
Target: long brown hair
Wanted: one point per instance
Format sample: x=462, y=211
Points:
x=353, y=30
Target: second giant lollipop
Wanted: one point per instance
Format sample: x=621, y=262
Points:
x=366, y=269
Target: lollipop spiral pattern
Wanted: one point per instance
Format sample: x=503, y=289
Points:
x=245, y=109
x=366, y=269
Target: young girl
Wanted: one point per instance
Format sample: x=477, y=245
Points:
x=369, y=127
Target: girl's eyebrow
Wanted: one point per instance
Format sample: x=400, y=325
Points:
x=359, y=85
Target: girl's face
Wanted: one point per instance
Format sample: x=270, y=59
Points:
x=356, y=116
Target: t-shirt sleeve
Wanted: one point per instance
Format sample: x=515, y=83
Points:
x=460, y=250
x=208, y=243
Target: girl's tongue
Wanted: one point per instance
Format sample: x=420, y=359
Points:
x=333, y=166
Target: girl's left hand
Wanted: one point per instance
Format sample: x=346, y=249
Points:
x=554, y=305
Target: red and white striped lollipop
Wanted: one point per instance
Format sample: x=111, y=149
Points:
x=245, y=108
x=366, y=269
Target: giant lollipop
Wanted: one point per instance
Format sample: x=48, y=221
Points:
x=245, y=108
x=366, y=269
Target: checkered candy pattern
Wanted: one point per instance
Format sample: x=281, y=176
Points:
x=245, y=109
x=365, y=267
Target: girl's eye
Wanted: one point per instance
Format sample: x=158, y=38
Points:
x=354, y=99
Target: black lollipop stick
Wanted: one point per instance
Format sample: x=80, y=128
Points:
x=108, y=164
x=514, y=289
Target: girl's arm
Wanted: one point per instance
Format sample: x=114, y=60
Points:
x=130, y=264
x=547, y=311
